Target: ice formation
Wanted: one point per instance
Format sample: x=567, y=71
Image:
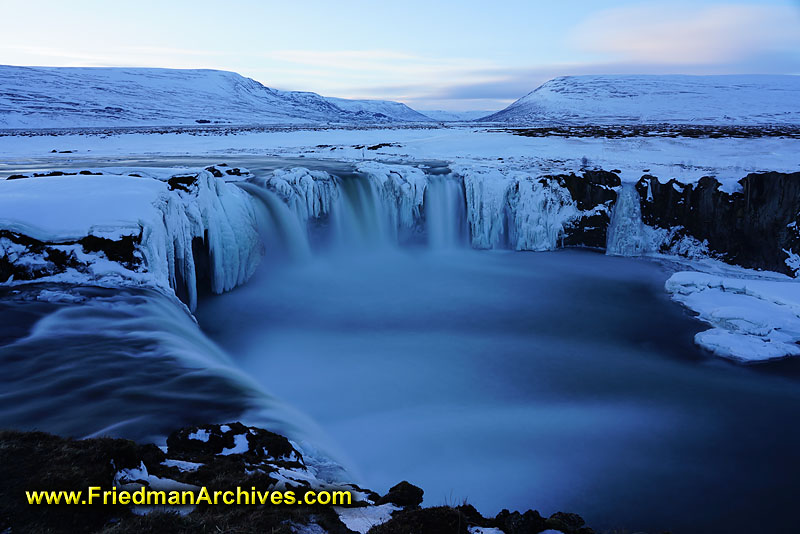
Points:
x=166, y=227
x=515, y=210
x=752, y=319
x=626, y=230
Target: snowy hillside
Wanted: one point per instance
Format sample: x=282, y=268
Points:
x=735, y=99
x=455, y=116
x=393, y=110
x=51, y=97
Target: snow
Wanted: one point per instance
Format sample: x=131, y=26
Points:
x=61, y=209
x=617, y=99
x=59, y=97
x=394, y=110
x=752, y=319
x=454, y=116
x=685, y=159
x=362, y=519
x=201, y=435
x=487, y=530
x=240, y=446
x=182, y=465
x=66, y=208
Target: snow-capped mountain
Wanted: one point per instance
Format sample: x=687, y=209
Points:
x=679, y=99
x=393, y=110
x=455, y=116
x=58, y=97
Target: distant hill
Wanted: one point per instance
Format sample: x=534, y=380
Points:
x=63, y=97
x=455, y=116
x=393, y=110
x=679, y=99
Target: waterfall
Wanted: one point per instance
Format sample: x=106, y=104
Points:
x=626, y=230
x=279, y=227
x=445, y=213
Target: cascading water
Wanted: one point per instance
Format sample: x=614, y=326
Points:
x=280, y=228
x=626, y=230
x=445, y=213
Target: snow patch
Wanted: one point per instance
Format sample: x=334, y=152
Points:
x=364, y=518
x=752, y=320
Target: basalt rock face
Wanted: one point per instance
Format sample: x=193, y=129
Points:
x=594, y=195
x=755, y=227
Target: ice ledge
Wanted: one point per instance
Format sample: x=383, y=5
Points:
x=753, y=320
x=171, y=232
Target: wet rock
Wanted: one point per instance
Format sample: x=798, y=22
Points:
x=403, y=494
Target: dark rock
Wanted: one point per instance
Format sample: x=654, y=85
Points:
x=235, y=172
x=184, y=183
x=567, y=523
x=750, y=227
x=215, y=172
x=592, y=190
x=122, y=251
x=37, y=461
x=531, y=522
x=90, y=173
x=261, y=444
x=439, y=520
x=403, y=494
x=16, y=177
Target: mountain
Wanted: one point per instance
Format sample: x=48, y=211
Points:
x=393, y=110
x=60, y=97
x=619, y=99
x=455, y=116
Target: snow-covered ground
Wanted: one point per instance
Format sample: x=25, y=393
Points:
x=686, y=159
x=654, y=99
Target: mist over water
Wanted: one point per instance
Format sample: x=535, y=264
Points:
x=561, y=380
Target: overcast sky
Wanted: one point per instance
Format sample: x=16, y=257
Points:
x=456, y=55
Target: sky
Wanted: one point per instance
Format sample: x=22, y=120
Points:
x=453, y=55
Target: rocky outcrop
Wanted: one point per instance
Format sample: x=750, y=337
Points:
x=755, y=227
x=594, y=194
x=219, y=458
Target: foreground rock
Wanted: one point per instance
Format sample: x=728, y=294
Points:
x=219, y=457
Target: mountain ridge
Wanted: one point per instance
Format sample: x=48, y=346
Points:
x=58, y=97
x=650, y=99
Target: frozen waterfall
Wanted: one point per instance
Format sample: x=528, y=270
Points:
x=626, y=230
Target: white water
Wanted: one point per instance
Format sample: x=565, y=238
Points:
x=626, y=231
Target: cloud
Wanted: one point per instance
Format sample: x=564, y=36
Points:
x=677, y=32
